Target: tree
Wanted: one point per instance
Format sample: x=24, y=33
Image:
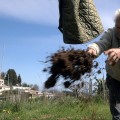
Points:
x=2, y=75
x=35, y=87
x=11, y=77
x=25, y=85
x=101, y=88
x=76, y=88
x=19, y=79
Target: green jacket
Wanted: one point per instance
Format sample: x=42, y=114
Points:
x=79, y=21
x=108, y=40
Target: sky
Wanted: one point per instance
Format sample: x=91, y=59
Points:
x=28, y=34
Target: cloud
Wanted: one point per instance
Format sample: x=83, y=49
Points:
x=40, y=11
x=46, y=11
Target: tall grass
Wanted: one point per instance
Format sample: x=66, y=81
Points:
x=63, y=108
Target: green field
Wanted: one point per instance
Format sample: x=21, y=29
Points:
x=63, y=108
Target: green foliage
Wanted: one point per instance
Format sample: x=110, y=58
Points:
x=19, y=79
x=25, y=85
x=16, y=107
x=62, y=108
x=11, y=78
x=2, y=75
x=101, y=86
x=34, y=87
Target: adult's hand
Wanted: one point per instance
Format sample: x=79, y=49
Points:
x=113, y=55
x=92, y=52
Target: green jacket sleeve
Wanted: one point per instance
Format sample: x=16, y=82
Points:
x=105, y=42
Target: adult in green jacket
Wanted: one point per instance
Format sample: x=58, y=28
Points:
x=110, y=45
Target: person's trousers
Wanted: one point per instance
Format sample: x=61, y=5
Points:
x=114, y=97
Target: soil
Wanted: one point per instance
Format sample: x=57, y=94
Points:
x=71, y=64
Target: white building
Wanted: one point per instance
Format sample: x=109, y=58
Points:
x=1, y=82
x=3, y=87
x=20, y=88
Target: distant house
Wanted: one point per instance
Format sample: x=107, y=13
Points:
x=27, y=90
x=1, y=82
x=3, y=87
x=33, y=92
x=21, y=89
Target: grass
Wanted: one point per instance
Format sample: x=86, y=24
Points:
x=66, y=108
